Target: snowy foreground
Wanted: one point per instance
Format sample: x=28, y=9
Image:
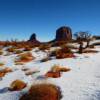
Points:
x=81, y=83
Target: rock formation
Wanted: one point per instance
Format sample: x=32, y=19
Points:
x=33, y=39
x=63, y=34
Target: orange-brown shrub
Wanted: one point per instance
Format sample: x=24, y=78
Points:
x=1, y=52
x=91, y=46
x=53, y=74
x=11, y=49
x=25, y=57
x=57, y=68
x=18, y=51
x=44, y=47
x=63, y=69
x=4, y=71
x=27, y=48
x=43, y=92
x=64, y=52
x=17, y=85
x=59, y=43
x=1, y=64
x=2, y=74
x=7, y=70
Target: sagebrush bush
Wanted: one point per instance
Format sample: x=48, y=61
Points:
x=2, y=74
x=43, y=92
x=1, y=64
x=25, y=57
x=52, y=74
x=44, y=47
x=27, y=48
x=64, y=52
x=17, y=85
x=59, y=43
x=4, y=71
x=57, y=68
x=91, y=46
x=11, y=49
x=1, y=52
x=90, y=51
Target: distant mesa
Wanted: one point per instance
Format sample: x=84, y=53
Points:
x=33, y=39
x=63, y=34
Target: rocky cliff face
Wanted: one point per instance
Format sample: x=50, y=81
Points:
x=63, y=34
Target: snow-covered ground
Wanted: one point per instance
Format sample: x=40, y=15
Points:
x=81, y=83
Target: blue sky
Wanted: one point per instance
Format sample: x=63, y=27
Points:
x=20, y=18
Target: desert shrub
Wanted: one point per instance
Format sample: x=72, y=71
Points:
x=59, y=43
x=17, y=85
x=90, y=51
x=64, y=52
x=43, y=92
x=72, y=46
x=91, y=46
x=57, y=68
x=45, y=59
x=1, y=52
x=25, y=57
x=18, y=62
x=27, y=48
x=11, y=49
x=54, y=52
x=18, y=51
x=44, y=47
x=65, y=49
x=1, y=64
x=7, y=70
x=4, y=71
x=2, y=74
x=53, y=74
x=31, y=72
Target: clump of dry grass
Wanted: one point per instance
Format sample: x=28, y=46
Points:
x=43, y=92
x=53, y=74
x=3, y=72
x=18, y=51
x=90, y=51
x=11, y=49
x=59, y=43
x=44, y=47
x=64, y=52
x=57, y=68
x=17, y=85
x=1, y=64
x=27, y=48
x=25, y=57
x=1, y=52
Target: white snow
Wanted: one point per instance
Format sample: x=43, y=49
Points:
x=81, y=83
